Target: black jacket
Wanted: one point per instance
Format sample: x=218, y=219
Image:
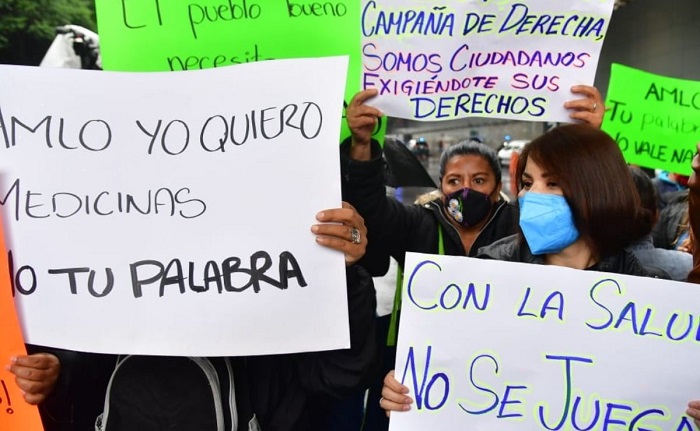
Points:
x=515, y=249
x=394, y=228
x=291, y=392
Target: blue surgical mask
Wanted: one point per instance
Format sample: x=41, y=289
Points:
x=547, y=222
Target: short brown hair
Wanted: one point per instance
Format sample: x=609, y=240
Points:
x=596, y=183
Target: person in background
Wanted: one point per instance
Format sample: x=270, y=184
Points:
x=294, y=392
x=571, y=215
x=671, y=229
x=676, y=264
x=666, y=183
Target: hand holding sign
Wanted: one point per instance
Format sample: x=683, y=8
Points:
x=590, y=109
x=36, y=375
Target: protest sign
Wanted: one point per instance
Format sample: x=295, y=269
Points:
x=167, y=35
x=170, y=213
x=15, y=414
x=480, y=58
x=499, y=345
x=655, y=119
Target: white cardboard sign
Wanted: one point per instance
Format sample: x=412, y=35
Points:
x=170, y=213
x=480, y=58
x=487, y=345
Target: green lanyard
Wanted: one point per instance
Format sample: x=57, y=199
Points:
x=393, y=324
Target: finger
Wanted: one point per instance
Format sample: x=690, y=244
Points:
x=337, y=215
x=693, y=413
x=393, y=384
x=585, y=105
x=389, y=405
x=33, y=387
x=595, y=119
x=367, y=111
x=34, y=399
x=588, y=91
x=30, y=374
x=38, y=360
x=343, y=232
x=363, y=96
x=360, y=122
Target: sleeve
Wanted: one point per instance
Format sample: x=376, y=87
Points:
x=338, y=373
x=694, y=217
x=390, y=223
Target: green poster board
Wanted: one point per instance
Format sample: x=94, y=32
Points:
x=171, y=35
x=654, y=119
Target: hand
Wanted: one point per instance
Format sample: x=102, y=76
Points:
x=394, y=396
x=350, y=236
x=694, y=412
x=35, y=375
x=362, y=120
x=590, y=109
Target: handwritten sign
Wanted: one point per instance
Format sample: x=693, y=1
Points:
x=480, y=58
x=15, y=414
x=655, y=119
x=510, y=346
x=170, y=35
x=170, y=213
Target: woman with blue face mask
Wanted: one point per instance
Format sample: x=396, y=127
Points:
x=578, y=205
x=578, y=208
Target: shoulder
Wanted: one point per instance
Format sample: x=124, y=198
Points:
x=627, y=263
x=508, y=249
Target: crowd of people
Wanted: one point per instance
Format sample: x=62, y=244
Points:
x=579, y=205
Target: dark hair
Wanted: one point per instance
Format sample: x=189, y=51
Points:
x=648, y=199
x=468, y=148
x=596, y=183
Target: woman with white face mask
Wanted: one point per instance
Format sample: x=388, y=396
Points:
x=578, y=208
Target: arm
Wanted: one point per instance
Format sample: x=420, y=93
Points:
x=337, y=373
x=390, y=224
x=362, y=119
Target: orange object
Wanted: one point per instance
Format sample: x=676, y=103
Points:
x=15, y=413
x=512, y=168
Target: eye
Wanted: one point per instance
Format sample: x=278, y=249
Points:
x=525, y=185
x=479, y=181
x=552, y=184
x=453, y=181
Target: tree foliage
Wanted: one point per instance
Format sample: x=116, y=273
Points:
x=27, y=27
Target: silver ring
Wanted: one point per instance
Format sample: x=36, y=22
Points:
x=380, y=401
x=595, y=106
x=355, y=235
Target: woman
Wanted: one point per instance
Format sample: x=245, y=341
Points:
x=468, y=213
x=281, y=392
x=571, y=214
